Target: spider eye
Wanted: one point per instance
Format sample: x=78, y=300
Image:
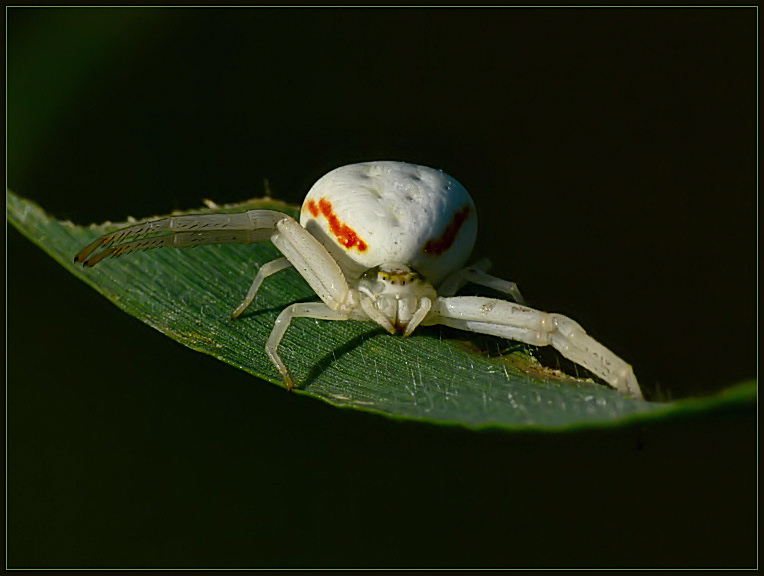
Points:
x=392, y=275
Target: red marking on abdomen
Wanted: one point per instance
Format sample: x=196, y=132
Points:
x=436, y=246
x=344, y=233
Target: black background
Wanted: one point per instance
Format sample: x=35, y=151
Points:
x=612, y=157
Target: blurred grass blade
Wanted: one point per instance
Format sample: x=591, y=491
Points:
x=189, y=294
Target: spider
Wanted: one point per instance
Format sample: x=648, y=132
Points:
x=385, y=242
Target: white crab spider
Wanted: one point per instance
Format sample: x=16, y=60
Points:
x=383, y=242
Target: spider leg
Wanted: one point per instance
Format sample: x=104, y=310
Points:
x=304, y=252
x=478, y=274
x=518, y=322
x=185, y=231
x=266, y=270
x=314, y=263
x=317, y=310
x=300, y=249
x=181, y=240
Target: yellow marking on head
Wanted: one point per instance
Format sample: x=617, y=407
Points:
x=398, y=278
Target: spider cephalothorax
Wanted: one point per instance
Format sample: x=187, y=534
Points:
x=400, y=297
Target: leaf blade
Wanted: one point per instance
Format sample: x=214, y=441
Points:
x=188, y=295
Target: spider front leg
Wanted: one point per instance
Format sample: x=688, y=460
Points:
x=517, y=322
x=185, y=231
x=300, y=250
x=320, y=270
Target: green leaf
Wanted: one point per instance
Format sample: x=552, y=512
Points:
x=435, y=375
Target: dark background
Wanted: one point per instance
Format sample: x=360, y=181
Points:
x=612, y=157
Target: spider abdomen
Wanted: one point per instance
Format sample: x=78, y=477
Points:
x=374, y=213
